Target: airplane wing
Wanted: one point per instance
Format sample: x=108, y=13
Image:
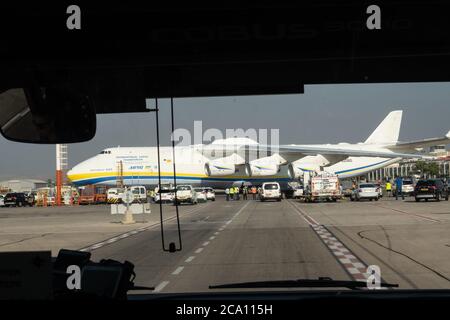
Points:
x=336, y=151
x=412, y=145
x=305, y=150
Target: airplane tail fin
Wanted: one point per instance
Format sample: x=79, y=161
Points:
x=388, y=130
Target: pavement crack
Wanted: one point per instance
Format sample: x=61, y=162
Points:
x=23, y=240
x=360, y=234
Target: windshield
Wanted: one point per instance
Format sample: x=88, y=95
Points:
x=367, y=185
x=184, y=188
x=167, y=190
x=245, y=232
x=426, y=183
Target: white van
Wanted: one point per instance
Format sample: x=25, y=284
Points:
x=139, y=193
x=270, y=190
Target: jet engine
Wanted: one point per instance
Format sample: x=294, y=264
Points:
x=219, y=168
x=294, y=171
x=297, y=169
x=258, y=169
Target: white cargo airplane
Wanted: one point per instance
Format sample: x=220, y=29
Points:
x=223, y=162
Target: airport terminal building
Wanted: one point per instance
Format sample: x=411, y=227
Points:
x=21, y=185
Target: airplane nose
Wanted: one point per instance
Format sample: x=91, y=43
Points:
x=70, y=174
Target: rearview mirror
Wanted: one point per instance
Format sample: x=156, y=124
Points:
x=46, y=115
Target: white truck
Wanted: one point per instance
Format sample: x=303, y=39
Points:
x=322, y=186
x=185, y=194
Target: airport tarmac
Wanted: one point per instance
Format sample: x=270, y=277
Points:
x=240, y=241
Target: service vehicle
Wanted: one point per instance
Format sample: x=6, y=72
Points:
x=186, y=194
x=92, y=194
x=322, y=186
x=139, y=193
x=114, y=195
x=270, y=191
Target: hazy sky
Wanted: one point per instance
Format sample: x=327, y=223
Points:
x=323, y=114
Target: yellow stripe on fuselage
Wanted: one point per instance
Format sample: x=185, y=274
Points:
x=93, y=175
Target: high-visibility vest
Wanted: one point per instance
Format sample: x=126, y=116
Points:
x=388, y=186
x=231, y=190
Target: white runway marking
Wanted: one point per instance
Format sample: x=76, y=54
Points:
x=190, y=259
x=350, y=262
x=178, y=270
x=205, y=243
x=136, y=231
x=199, y=250
x=212, y=238
x=161, y=286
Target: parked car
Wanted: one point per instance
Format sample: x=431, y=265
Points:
x=186, y=194
x=210, y=194
x=431, y=189
x=270, y=190
x=16, y=199
x=368, y=191
x=407, y=187
x=167, y=195
x=201, y=194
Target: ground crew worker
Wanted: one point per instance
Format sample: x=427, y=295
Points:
x=236, y=192
x=254, y=192
x=227, y=193
x=232, y=193
x=244, y=192
x=388, y=188
x=399, y=186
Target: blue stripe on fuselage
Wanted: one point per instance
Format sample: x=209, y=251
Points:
x=181, y=178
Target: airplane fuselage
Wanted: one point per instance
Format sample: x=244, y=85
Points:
x=140, y=167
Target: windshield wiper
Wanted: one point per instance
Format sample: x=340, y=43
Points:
x=321, y=282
